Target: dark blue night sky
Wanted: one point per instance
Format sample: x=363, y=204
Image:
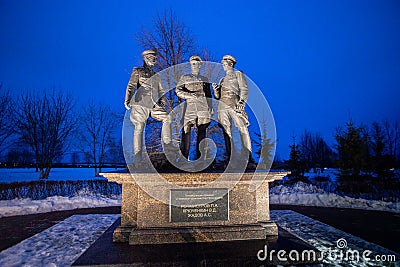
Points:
x=317, y=62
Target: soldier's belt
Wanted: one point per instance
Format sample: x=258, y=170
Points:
x=230, y=93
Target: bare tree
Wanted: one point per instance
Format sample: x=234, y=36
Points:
x=307, y=148
x=396, y=144
x=45, y=121
x=115, y=154
x=314, y=151
x=97, y=125
x=381, y=154
x=323, y=155
x=389, y=135
x=392, y=135
x=174, y=43
x=6, y=118
x=19, y=157
x=170, y=36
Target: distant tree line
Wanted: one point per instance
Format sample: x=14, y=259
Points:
x=47, y=127
x=39, y=128
x=368, y=148
x=358, y=149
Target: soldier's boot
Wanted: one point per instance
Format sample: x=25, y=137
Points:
x=228, y=148
x=138, y=147
x=185, y=144
x=252, y=164
x=138, y=162
x=245, y=156
x=246, y=152
x=166, y=133
x=171, y=150
x=201, y=134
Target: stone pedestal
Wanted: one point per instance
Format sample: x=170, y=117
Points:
x=146, y=220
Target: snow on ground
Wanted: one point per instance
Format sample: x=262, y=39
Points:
x=337, y=247
x=298, y=194
x=56, y=174
x=55, y=203
x=330, y=173
x=309, y=195
x=61, y=244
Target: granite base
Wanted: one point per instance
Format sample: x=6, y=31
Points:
x=146, y=220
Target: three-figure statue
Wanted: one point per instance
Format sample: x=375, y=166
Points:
x=195, y=89
x=145, y=94
x=232, y=91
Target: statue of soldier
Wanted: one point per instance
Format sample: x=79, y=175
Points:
x=232, y=91
x=144, y=94
x=195, y=89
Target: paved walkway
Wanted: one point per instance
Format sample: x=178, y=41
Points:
x=18, y=228
x=378, y=227
x=61, y=244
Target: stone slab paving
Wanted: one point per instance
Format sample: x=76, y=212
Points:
x=59, y=245
x=338, y=247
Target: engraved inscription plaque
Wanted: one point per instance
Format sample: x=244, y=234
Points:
x=199, y=205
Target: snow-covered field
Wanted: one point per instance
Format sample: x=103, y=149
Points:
x=27, y=206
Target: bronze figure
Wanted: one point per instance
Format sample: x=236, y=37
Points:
x=195, y=89
x=232, y=91
x=144, y=94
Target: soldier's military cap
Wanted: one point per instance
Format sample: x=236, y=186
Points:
x=229, y=57
x=149, y=52
x=197, y=58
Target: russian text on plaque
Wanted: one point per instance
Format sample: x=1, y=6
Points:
x=198, y=205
